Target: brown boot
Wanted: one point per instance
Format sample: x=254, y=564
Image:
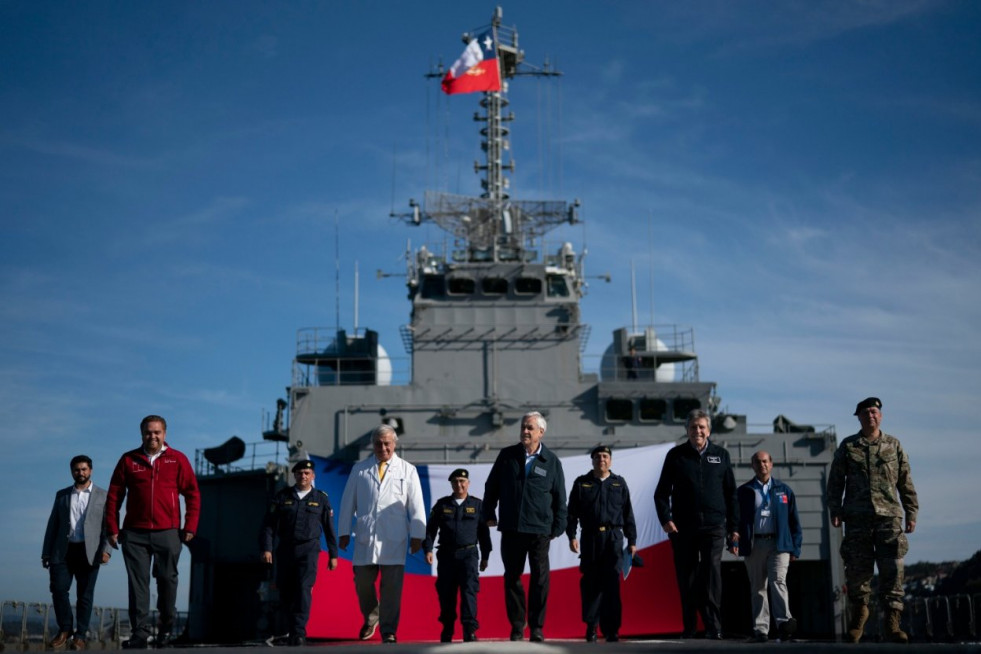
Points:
x=893, y=632
x=856, y=625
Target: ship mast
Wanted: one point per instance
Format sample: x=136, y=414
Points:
x=493, y=227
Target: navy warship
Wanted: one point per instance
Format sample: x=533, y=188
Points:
x=494, y=331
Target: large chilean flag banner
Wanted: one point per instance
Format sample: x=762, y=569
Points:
x=650, y=593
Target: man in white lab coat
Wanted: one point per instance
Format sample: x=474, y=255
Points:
x=384, y=494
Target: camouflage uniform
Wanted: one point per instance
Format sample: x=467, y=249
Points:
x=875, y=478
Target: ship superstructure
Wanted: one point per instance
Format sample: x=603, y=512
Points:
x=495, y=331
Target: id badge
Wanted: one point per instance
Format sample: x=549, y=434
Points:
x=765, y=513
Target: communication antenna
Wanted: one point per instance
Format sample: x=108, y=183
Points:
x=337, y=274
x=633, y=297
x=650, y=245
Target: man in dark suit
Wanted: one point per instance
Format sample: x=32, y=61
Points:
x=528, y=485
x=75, y=544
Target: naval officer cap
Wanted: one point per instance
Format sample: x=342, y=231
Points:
x=459, y=473
x=868, y=403
x=601, y=449
x=303, y=465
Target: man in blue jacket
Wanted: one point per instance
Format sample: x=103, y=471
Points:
x=770, y=537
x=528, y=482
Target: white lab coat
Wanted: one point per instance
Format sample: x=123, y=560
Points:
x=389, y=512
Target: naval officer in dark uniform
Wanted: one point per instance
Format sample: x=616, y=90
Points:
x=456, y=518
x=298, y=515
x=600, y=502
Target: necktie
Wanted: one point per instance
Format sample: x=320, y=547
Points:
x=382, y=467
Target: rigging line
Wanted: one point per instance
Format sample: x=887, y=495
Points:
x=394, y=171
x=551, y=140
x=539, y=138
x=429, y=137
x=550, y=153
x=560, y=183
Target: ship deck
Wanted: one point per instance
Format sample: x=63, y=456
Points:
x=578, y=647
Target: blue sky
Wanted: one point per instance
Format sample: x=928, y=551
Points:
x=801, y=180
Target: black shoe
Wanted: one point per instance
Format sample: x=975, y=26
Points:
x=469, y=637
x=163, y=639
x=517, y=634
x=367, y=631
x=446, y=637
x=687, y=634
x=297, y=641
x=758, y=637
x=537, y=636
x=389, y=639
x=713, y=635
x=590, y=634
x=613, y=638
x=135, y=642
x=787, y=629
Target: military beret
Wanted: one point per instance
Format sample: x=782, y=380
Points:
x=458, y=473
x=303, y=465
x=601, y=449
x=867, y=403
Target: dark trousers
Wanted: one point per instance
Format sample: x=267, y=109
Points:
x=296, y=573
x=600, y=582
x=75, y=566
x=515, y=546
x=698, y=566
x=458, y=572
x=145, y=550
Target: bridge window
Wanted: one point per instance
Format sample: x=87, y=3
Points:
x=461, y=286
x=528, y=286
x=494, y=285
x=557, y=286
x=684, y=406
x=653, y=409
x=619, y=410
x=433, y=287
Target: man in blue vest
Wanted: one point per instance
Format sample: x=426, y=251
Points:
x=770, y=537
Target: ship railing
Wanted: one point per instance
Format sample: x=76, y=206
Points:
x=610, y=370
x=259, y=455
x=936, y=619
x=781, y=425
x=505, y=336
x=31, y=625
x=328, y=370
x=318, y=339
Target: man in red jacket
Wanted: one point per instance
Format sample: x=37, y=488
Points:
x=151, y=478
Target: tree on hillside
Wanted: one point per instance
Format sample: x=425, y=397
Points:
x=965, y=578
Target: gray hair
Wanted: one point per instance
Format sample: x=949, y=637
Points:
x=697, y=414
x=382, y=429
x=539, y=418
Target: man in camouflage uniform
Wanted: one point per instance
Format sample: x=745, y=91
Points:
x=872, y=471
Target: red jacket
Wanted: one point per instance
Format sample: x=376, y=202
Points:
x=153, y=491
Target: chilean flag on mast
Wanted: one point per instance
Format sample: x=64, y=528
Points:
x=477, y=68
